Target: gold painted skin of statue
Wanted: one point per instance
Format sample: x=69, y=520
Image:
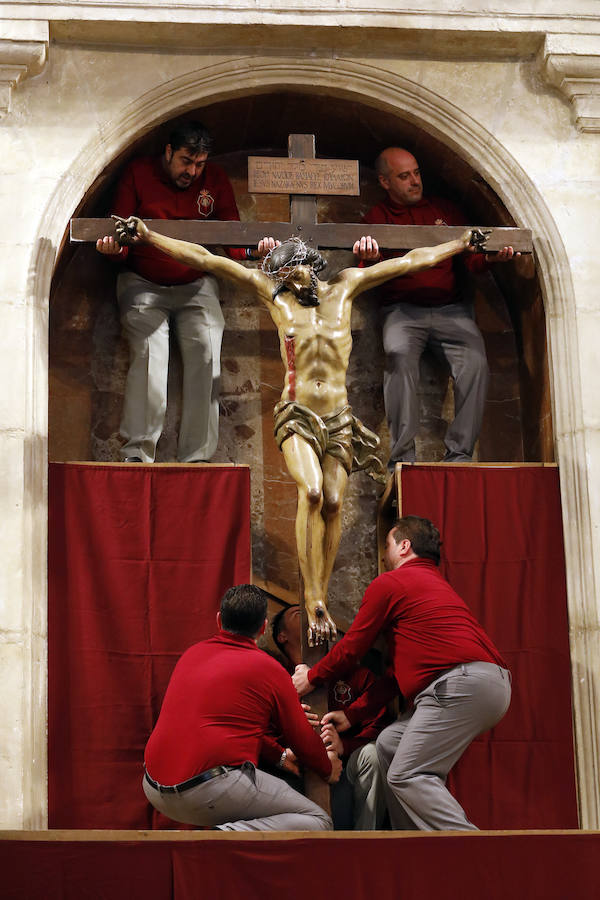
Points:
x=316, y=378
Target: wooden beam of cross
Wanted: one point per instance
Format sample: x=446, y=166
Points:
x=303, y=224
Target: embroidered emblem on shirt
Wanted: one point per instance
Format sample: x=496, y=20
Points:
x=206, y=203
x=342, y=693
x=440, y=222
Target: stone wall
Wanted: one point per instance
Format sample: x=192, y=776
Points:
x=512, y=100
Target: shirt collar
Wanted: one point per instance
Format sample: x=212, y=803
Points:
x=227, y=637
x=420, y=561
x=405, y=207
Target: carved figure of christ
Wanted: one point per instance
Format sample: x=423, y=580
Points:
x=312, y=318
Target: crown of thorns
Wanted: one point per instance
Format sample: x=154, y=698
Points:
x=302, y=255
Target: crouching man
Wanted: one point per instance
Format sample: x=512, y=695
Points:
x=223, y=695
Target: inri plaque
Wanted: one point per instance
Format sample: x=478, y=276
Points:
x=282, y=175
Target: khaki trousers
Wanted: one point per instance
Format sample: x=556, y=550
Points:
x=451, y=332
x=418, y=750
x=147, y=312
x=243, y=799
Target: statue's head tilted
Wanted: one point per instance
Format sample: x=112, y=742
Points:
x=281, y=264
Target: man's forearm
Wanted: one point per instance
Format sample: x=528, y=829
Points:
x=340, y=661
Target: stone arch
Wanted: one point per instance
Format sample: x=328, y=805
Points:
x=470, y=140
x=374, y=87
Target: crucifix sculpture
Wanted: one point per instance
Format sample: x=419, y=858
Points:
x=317, y=536
x=312, y=341
x=320, y=439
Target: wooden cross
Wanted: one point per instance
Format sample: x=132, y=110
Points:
x=303, y=224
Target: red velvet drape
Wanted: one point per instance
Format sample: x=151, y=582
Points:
x=139, y=558
x=503, y=553
x=472, y=866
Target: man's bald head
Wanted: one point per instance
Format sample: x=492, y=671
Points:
x=399, y=175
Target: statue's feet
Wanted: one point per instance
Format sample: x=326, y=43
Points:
x=321, y=627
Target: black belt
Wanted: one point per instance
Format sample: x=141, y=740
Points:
x=191, y=782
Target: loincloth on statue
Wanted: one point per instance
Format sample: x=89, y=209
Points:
x=340, y=434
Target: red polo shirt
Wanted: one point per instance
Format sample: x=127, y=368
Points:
x=222, y=697
x=429, y=629
x=371, y=718
x=145, y=190
x=439, y=284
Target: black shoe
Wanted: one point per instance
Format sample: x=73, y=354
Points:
x=133, y=459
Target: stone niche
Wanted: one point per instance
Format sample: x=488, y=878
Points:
x=88, y=357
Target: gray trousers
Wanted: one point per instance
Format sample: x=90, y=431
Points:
x=243, y=799
x=417, y=752
x=450, y=331
x=147, y=310
x=363, y=772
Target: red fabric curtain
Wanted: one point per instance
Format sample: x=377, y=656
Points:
x=139, y=558
x=426, y=866
x=503, y=553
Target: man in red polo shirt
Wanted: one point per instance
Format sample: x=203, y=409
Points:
x=156, y=292
x=454, y=681
x=426, y=308
x=223, y=697
x=357, y=801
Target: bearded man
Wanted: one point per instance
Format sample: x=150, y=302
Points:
x=158, y=296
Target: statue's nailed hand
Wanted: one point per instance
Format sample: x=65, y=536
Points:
x=477, y=238
x=130, y=231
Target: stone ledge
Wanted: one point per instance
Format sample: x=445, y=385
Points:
x=23, y=53
x=542, y=16
x=572, y=64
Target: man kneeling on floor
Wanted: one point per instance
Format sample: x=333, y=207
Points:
x=223, y=694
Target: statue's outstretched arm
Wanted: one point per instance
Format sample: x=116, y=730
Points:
x=420, y=258
x=134, y=231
